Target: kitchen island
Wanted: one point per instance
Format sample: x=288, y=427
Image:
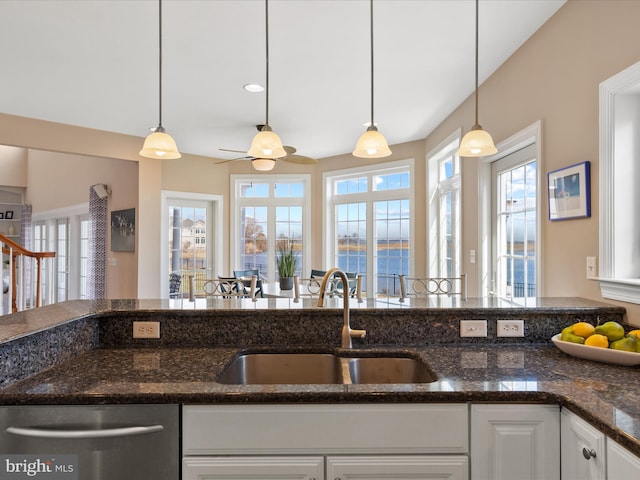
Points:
x=82, y=353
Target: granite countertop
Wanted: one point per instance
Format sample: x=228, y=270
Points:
x=81, y=352
x=605, y=395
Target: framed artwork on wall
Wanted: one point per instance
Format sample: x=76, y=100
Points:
x=569, y=191
x=123, y=230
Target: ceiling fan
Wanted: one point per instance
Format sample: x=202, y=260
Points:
x=291, y=156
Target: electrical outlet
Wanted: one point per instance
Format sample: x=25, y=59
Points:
x=146, y=329
x=473, y=328
x=592, y=269
x=511, y=328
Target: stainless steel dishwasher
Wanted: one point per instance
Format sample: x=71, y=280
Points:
x=97, y=442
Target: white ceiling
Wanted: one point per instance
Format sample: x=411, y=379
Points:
x=94, y=63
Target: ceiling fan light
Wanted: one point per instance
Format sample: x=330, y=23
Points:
x=160, y=145
x=477, y=143
x=266, y=144
x=263, y=164
x=372, y=144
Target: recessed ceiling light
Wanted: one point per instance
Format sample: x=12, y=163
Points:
x=253, y=88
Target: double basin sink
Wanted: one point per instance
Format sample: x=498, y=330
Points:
x=324, y=368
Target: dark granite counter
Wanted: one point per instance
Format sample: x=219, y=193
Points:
x=91, y=359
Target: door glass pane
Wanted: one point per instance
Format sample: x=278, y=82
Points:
x=188, y=243
x=516, y=231
x=289, y=232
x=351, y=248
x=392, y=244
x=254, y=249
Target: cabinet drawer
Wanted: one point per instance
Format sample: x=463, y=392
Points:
x=352, y=428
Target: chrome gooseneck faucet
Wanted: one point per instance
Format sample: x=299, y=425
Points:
x=347, y=332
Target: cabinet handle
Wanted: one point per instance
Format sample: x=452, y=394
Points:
x=588, y=453
x=69, y=434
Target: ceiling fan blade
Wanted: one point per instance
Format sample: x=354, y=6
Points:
x=230, y=150
x=233, y=160
x=299, y=160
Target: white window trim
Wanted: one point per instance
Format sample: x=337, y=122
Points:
x=328, y=220
x=433, y=204
x=215, y=243
x=307, y=238
x=525, y=137
x=623, y=289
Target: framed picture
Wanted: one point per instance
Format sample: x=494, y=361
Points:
x=123, y=230
x=8, y=215
x=569, y=191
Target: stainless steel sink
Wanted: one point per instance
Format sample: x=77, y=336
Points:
x=324, y=368
x=265, y=368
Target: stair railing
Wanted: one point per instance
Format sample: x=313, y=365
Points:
x=22, y=276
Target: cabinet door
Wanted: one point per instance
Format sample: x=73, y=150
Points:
x=432, y=467
x=621, y=463
x=252, y=468
x=510, y=442
x=583, y=449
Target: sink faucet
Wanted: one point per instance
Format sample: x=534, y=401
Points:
x=347, y=332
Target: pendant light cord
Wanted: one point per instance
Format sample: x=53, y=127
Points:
x=371, y=34
x=160, y=64
x=266, y=29
x=476, y=62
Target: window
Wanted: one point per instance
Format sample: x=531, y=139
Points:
x=369, y=224
x=515, y=219
x=68, y=236
x=268, y=210
x=444, y=180
x=619, y=275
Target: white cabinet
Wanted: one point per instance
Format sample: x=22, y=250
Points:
x=511, y=442
x=390, y=441
x=621, y=463
x=253, y=468
x=583, y=449
x=434, y=467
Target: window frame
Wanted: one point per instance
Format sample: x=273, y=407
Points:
x=435, y=261
x=527, y=136
x=271, y=202
x=329, y=180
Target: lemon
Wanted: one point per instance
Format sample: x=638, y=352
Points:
x=597, y=340
x=583, y=329
x=634, y=332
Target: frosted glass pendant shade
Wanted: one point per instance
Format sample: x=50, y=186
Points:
x=160, y=145
x=263, y=164
x=266, y=144
x=477, y=143
x=371, y=144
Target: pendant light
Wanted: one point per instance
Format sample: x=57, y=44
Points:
x=477, y=142
x=160, y=144
x=371, y=143
x=266, y=144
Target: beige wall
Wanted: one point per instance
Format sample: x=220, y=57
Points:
x=13, y=165
x=58, y=181
x=555, y=78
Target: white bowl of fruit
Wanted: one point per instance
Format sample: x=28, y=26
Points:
x=603, y=343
